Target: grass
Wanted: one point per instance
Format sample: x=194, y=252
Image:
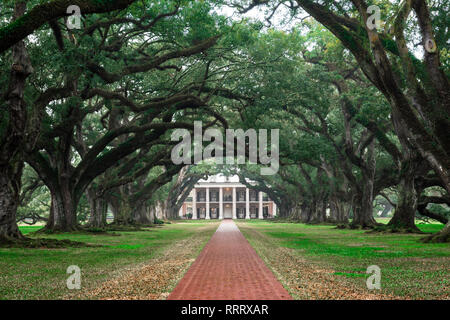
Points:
x=41, y=273
x=409, y=268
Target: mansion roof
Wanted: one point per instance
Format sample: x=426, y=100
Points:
x=219, y=180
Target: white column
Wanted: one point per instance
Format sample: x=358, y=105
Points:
x=194, y=205
x=274, y=208
x=220, y=203
x=247, y=203
x=234, y=202
x=180, y=212
x=207, y=204
x=260, y=211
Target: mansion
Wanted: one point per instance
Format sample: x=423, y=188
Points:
x=221, y=197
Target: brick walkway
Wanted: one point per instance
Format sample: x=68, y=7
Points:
x=228, y=268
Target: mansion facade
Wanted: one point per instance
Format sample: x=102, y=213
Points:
x=221, y=197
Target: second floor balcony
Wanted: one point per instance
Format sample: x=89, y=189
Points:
x=240, y=197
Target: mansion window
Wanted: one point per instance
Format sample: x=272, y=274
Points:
x=214, y=196
x=201, y=213
x=240, y=213
x=201, y=196
x=253, y=212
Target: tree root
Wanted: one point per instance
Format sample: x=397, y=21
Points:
x=395, y=229
x=47, y=230
x=129, y=227
x=355, y=226
x=42, y=243
x=439, y=237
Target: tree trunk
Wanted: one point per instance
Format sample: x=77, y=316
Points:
x=364, y=216
x=405, y=210
x=12, y=143
x=294, y=213
x=305, y=212
x=10, y=176
x=122, y=205
x=363, y=207
x=289, y=210
x=144, y=215
x=63, y=209
x=161, y=212
x=99, y=208
x=313, y=212
x=441, y=236
x=338, y=213
x=171, y=209
x=124, y=213
x=318, y=213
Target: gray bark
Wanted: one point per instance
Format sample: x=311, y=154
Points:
x=11, y=152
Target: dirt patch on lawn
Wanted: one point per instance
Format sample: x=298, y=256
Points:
x=306, y=279
x=155, y=279
x=366, y=244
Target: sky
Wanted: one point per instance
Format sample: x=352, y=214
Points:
x=280, y=20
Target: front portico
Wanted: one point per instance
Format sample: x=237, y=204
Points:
x=225, y=198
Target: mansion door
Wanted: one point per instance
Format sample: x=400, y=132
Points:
x=227, y=213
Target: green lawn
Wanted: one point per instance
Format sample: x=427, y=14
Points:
x=409, y=268
x=41, y=273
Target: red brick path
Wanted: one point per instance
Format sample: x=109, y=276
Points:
x=228, y=268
